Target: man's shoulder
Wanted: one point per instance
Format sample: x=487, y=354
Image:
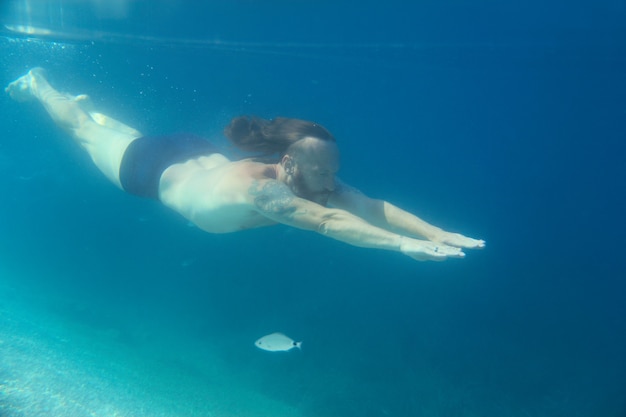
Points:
x=256, y=170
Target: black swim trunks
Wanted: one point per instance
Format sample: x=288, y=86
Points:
x=147, y=157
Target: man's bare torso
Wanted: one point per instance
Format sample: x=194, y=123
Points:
x=213, y=192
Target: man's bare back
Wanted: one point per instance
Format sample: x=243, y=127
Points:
x=213, y=192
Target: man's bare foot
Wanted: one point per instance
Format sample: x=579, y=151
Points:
x=23, y=88
x=82, y=98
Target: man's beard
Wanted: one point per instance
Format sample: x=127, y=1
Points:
x=299, y=188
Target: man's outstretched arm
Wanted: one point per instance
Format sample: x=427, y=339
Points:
x=275, y=201
x=389, y=217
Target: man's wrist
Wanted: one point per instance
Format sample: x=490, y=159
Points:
x=436, y=234
x=401, y=242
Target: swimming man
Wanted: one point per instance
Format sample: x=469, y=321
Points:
x=188, y=174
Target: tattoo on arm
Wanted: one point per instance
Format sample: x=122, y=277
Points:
x=273, y=197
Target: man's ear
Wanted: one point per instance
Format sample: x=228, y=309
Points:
x=288, y=164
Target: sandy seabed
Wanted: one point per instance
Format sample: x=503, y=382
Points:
x=50, y=368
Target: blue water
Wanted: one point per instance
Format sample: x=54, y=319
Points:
x=504, y=122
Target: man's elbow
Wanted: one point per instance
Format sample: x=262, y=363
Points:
x=332, y=222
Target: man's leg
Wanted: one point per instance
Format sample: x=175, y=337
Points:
x=104, y=138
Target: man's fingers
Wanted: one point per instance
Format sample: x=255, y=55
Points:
x=443, y=252
x=429, y=251
x=460, y=241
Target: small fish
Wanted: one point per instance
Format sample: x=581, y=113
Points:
x=277, y=342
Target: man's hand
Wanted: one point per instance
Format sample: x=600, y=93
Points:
x=459, y=241
x=423, y=250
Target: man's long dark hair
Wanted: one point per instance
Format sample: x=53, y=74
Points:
x=269, y=137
